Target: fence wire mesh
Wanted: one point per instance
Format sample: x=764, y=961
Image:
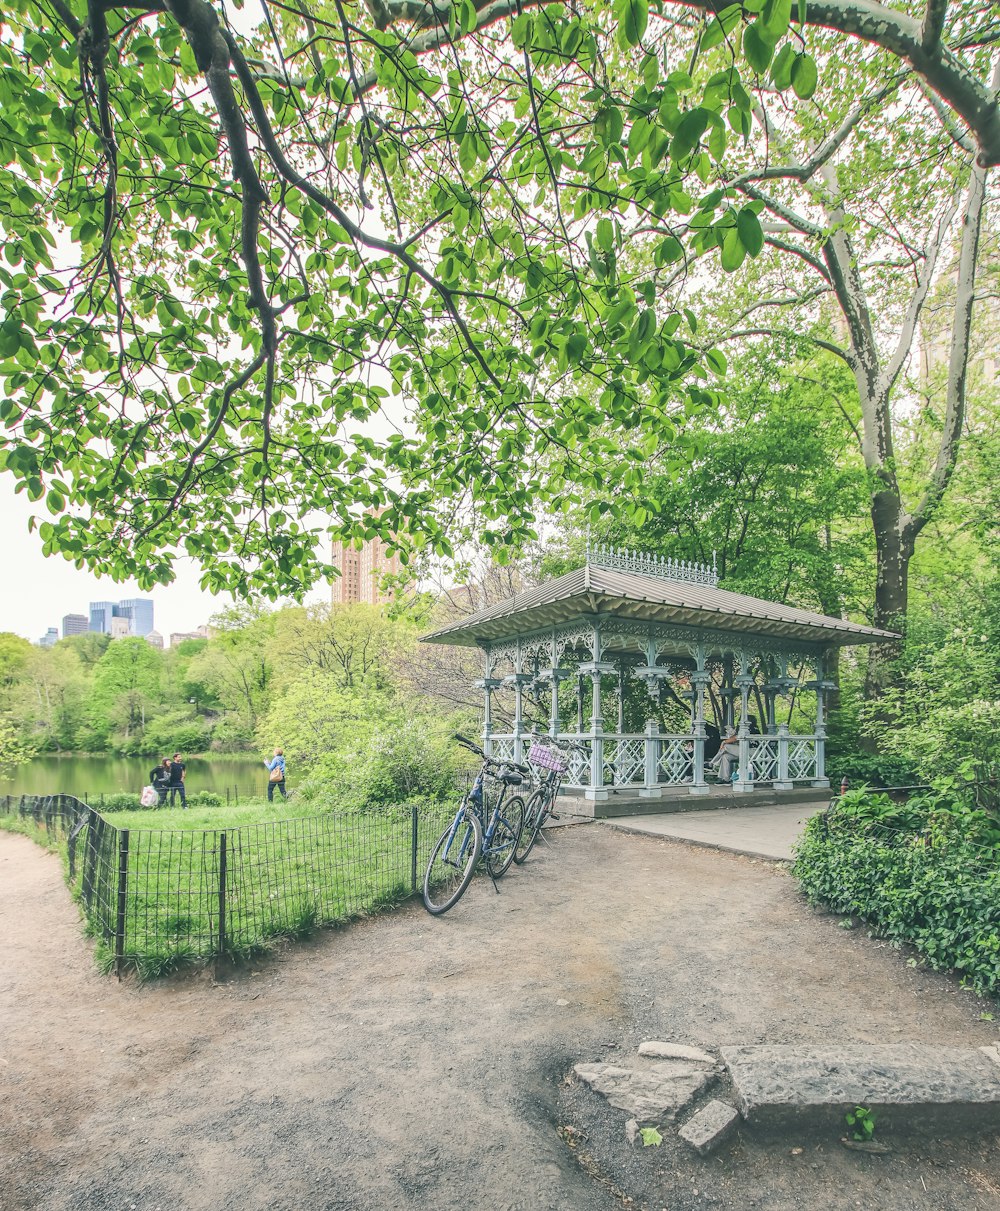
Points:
x=157, y=897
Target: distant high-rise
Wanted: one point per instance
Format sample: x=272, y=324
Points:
x=131, y=617
x=50, y=637
x=74, y=624
x=361, y=572
x=101, y=613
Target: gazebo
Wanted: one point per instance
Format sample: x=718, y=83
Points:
x=627, y=616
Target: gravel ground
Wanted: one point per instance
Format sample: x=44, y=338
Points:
x=410, y=1062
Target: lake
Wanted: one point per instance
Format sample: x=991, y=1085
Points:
x=87, y=777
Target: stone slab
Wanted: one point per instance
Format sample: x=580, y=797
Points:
x=652, y=1094
x=655, y=1050
x=710, y=1127
x=680, y=799
x=943, y=1090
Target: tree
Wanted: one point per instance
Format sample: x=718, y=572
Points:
x=15, y=750
x=208, y=366
x=15, y=654
x=237, y=665
x=126, y=684
x=858, y=233
x=773, y=495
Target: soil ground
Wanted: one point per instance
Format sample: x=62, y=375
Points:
x=409, y=1062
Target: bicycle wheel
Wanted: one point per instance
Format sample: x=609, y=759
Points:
x=500, y=851
x=532, y=823
x=452, y=863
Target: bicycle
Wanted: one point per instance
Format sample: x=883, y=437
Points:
x=478, y=832
x=550, y=756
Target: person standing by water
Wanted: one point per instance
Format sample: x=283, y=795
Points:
x=159, y=779
x=176, y=783
x=276, y=775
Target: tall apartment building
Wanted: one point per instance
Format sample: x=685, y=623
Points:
x=361, y=571
x=74, y=624
x=131, y=617
x=50, y=637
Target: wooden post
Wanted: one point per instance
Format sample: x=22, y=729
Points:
x=223, y=863
x=122, y=901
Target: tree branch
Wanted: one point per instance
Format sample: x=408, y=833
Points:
x=958, y=362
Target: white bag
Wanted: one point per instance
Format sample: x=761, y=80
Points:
x=149, y=797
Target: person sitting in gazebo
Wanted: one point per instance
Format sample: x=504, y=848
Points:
x=729, y=751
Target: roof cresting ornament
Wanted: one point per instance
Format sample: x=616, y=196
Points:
x=600, y=555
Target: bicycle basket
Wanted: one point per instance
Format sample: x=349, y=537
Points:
x=547, y=758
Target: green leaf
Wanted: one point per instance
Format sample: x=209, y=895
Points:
x=733, y=252
x=720, y=25
x=605, y=234
x=688, y=135
x=716, y=359
x=608, y=125
x=805, y=76
x=776, y=17
x=757, y=48
x=750, y=232
x=633, y=16
x=781, y=68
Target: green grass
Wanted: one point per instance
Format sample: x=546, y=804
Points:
x=251, y=811
x=289, y=872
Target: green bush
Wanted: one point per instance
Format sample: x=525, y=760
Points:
x=871, y=769
x=177, y=730
x=926, y=873
x=131, y=803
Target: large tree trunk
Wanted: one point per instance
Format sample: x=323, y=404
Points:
x=893, y=552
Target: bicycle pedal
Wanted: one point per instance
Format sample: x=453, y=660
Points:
x=553, y=816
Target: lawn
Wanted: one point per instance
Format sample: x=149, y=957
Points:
x=231, y=880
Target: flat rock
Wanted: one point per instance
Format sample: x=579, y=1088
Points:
x=674, y=1051
x=712, y=1124
x=653, y=1093
x=920, y=1088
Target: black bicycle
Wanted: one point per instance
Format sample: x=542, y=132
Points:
x=486, y=826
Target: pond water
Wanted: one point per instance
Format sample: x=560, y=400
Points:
x=87, y=777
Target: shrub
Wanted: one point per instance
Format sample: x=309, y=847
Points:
x=926, y=873
x=871, y=769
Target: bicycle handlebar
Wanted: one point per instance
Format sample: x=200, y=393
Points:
x=474, y=748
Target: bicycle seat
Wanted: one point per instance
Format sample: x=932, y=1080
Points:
x=510, y=777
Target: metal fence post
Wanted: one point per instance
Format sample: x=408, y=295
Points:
x=122, y=900
x=90, y=858
x=413, y=847
x=222, y=892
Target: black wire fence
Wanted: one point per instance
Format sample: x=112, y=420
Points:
x=157, y=898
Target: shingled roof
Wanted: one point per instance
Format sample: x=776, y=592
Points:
x=596, y=590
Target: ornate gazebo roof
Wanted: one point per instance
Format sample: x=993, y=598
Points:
x=643, y=588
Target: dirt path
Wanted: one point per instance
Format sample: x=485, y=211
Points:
x=408, y=1062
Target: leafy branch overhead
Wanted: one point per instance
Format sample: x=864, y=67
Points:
x=226, y=248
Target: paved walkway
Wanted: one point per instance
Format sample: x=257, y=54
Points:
x=763, y=832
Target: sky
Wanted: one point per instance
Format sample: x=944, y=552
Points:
x=39, y=591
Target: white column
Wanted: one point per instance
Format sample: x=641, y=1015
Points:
x=744, y=782
x=783, y=782
x=699, y=680
x=595, y=669
x=651, y=782
x=822, y=685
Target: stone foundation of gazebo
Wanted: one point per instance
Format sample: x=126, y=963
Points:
x=624, y=617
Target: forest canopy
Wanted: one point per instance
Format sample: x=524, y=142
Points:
x=415, y=268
